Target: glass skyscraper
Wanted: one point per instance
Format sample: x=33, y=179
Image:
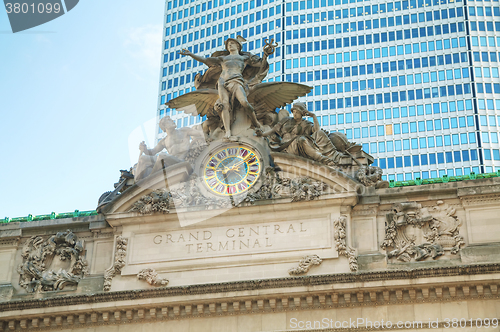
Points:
x=415, y=82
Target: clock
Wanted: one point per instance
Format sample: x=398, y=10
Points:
x=232, y=170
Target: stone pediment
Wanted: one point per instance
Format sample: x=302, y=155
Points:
x=293, y=179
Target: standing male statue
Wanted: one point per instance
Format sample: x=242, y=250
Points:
x=231, y=88
x=231, y=83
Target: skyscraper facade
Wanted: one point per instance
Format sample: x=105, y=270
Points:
x=415, y=82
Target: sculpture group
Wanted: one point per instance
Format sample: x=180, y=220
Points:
x=235, y=102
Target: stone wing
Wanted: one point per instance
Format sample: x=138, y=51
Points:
x=197, y=102
x=277, y=94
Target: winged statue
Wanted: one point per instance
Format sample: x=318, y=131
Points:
x=232, y=85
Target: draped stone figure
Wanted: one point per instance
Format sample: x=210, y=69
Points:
x=302, y=138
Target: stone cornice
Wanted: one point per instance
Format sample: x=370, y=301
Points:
x=140, y=310
x=252, y=285
x=479, y=200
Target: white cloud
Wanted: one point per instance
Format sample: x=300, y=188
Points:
x=143, y=45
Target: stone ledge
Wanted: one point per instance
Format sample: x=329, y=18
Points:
x=253, y=285
x=144, y=310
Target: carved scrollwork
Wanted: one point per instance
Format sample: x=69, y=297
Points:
x=195, y=149
x=118, y=264
x=156, y=201
x=52, y=264
x=298, y=189
x=186, y=195
x=305, y=264
x=343, y=249
x=371, y=176
x=435, y=229
x=151, y=277
x=189, y=194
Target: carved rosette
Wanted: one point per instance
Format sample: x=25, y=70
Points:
x=305, y=265
x=416, y=233
x=52, y=264
x=297, y=189
x=340, y=236
x=119, y=263
x=151, y=277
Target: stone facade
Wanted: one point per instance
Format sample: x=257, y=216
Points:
x=428, y=253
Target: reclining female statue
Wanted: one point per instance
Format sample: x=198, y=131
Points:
x=302, y=138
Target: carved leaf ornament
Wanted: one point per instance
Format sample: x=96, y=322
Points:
x=340, y=236
x=151, y=277
x=119, y=263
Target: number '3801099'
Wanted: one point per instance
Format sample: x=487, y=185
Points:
x=24, y=8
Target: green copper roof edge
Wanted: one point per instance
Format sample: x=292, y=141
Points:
x=51, y=216
x=443, y=179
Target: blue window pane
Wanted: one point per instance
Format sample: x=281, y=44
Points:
x=390, y=162
x=399, y=161
x=432, y=158
x=449, y=157
x=382, y=163
x=407, y=160
x=465, y=155
x=473, y=154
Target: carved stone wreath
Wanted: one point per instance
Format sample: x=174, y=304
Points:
x=52, y=264
x=416, y=233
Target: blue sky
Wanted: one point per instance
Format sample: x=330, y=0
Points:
x=72, y=93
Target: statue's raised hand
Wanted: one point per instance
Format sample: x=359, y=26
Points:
x=185, y=52
x=142, y=146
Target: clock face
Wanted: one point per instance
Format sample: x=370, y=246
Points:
x=232, y=170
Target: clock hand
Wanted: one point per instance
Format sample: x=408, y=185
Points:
x=240, y=162
x=226, y=169
x=234, y=166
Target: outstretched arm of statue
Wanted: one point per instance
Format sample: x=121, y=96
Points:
x=260, y=133
x=150, y=152
x=195, y=133
x=207, y=61
x=268, y=49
